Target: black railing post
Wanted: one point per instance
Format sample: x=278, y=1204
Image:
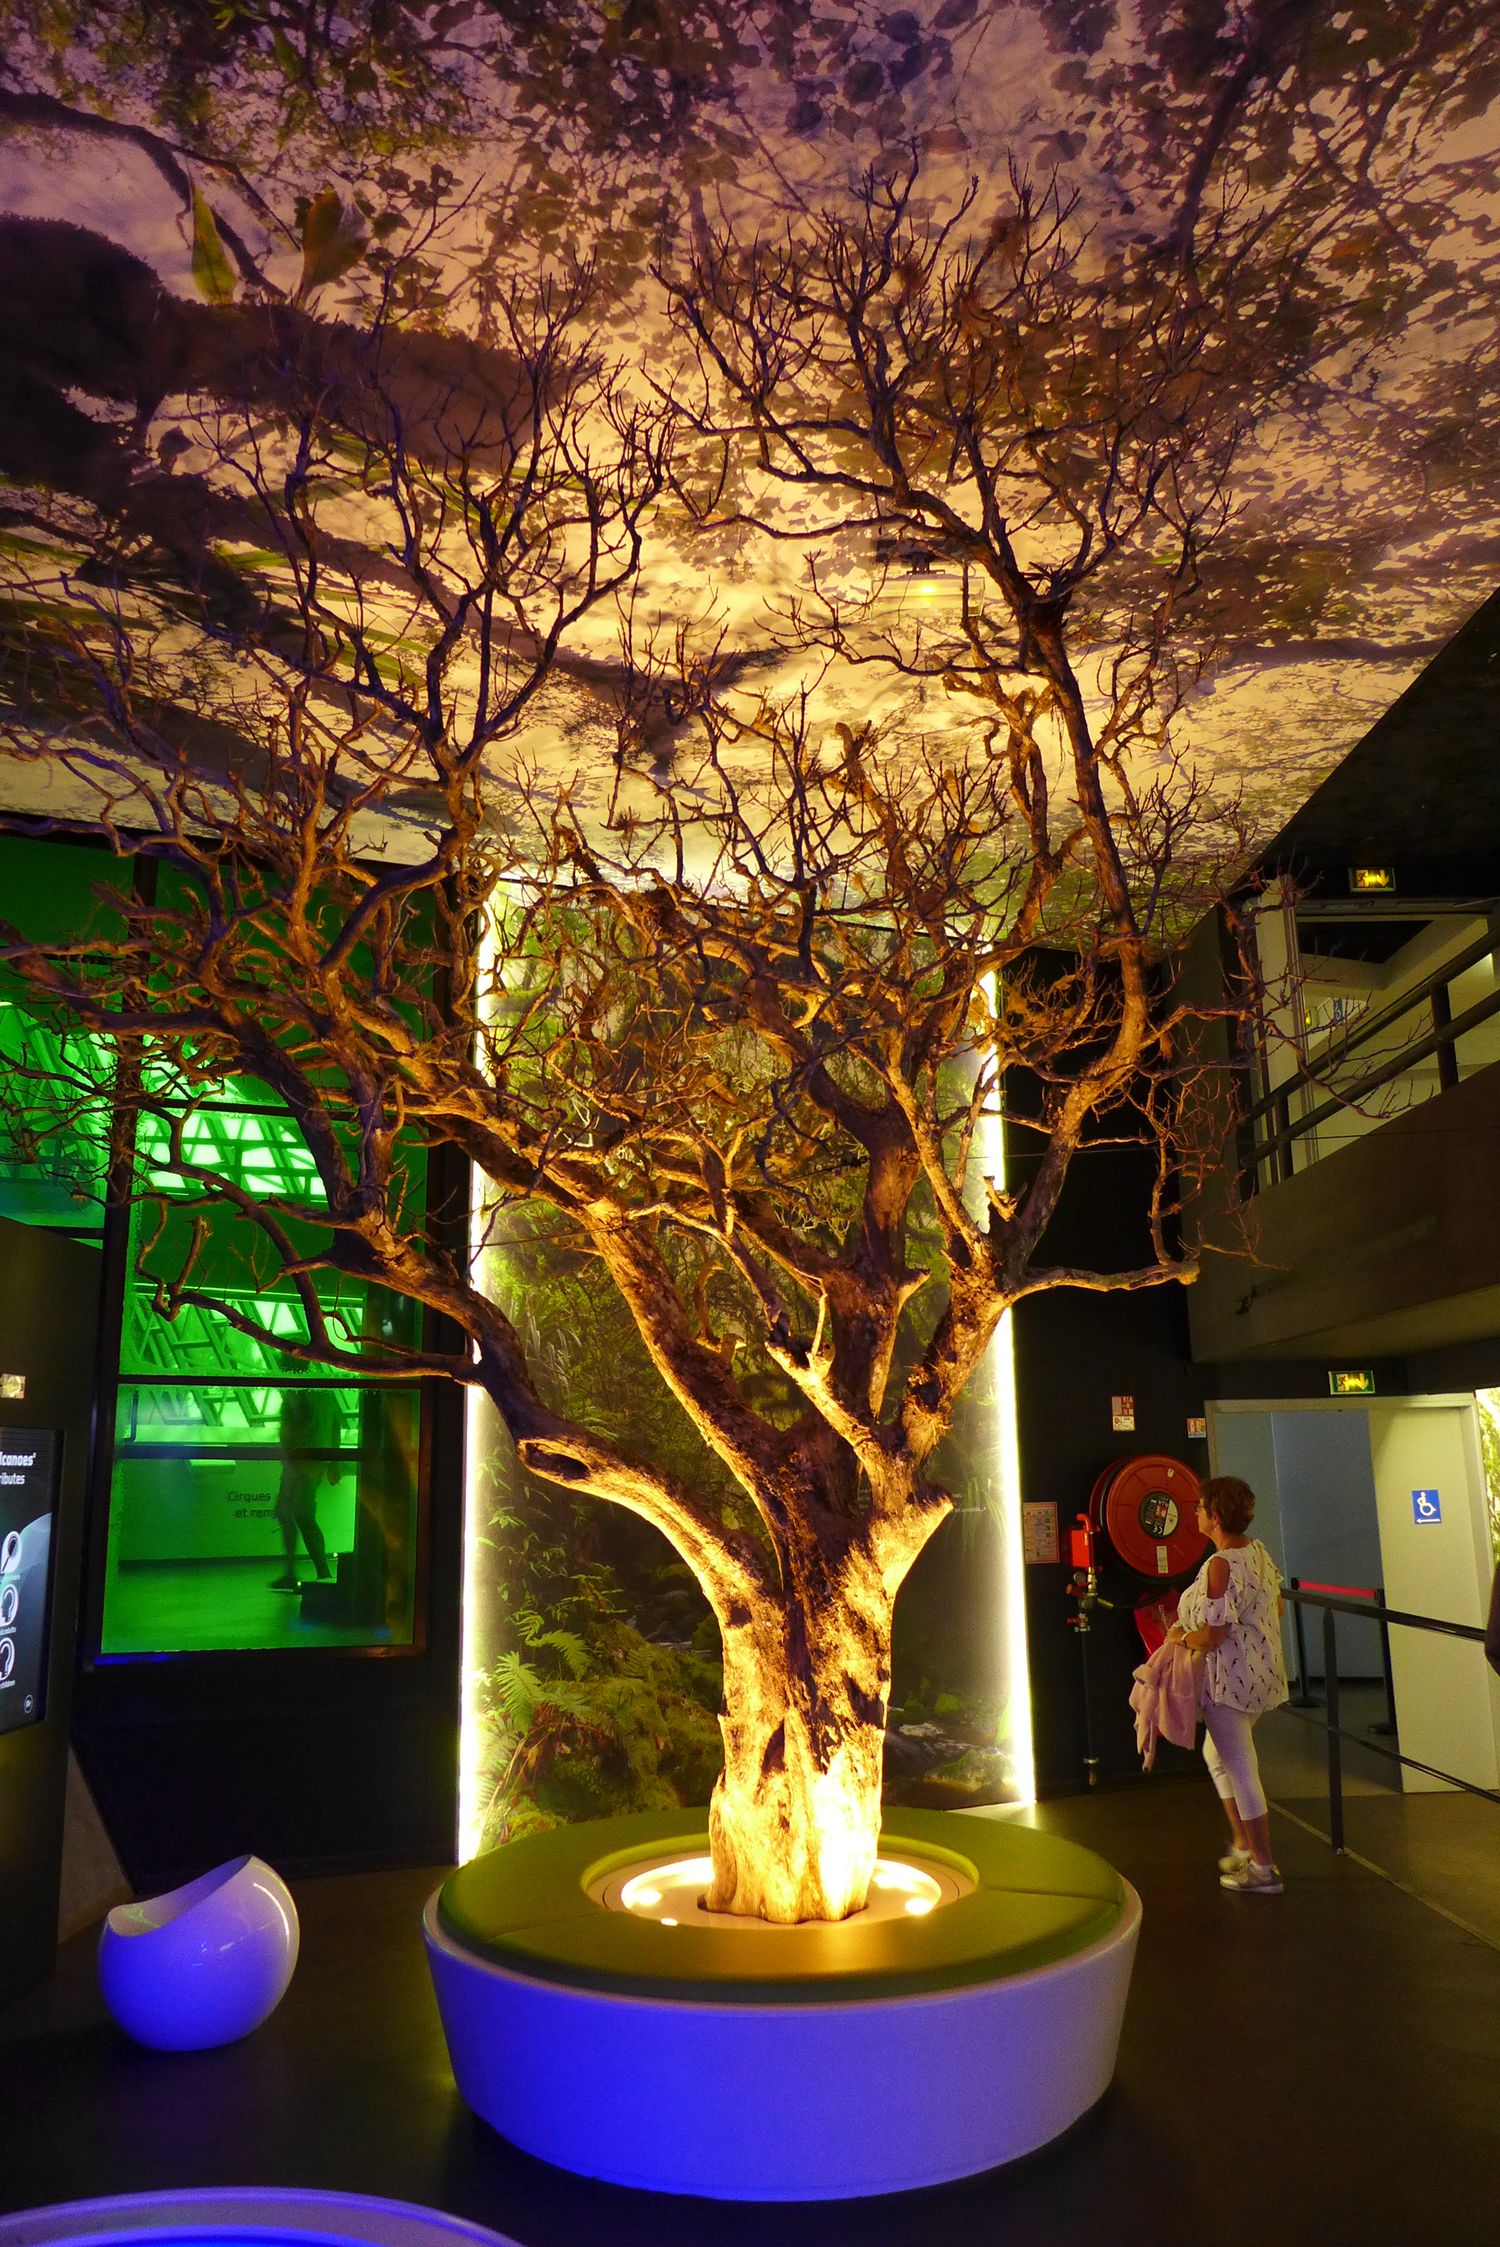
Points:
x=1283, y=1162
x=1388, y=1729
x=1302, y=1698
x=1335, y=1744
x=1442, y=1023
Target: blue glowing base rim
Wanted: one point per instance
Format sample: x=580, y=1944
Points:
x=252, y=2216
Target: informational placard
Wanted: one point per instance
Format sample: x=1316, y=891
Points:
x=28, y=1511
x=1426, y=1506
x=1039, y=1537
x=1122, y=1415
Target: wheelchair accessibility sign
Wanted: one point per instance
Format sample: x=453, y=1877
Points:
x=1426, y=1506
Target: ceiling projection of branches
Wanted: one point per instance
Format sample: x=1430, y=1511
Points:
x=824, y=332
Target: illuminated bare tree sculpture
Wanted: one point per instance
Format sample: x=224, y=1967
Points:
x=729, y=1030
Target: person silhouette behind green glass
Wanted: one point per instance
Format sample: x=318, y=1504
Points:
x=309, y=1426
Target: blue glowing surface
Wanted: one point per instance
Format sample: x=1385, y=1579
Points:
x=227, y=2217
x=214, y=2235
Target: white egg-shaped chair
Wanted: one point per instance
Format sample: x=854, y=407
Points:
x=203, y=1964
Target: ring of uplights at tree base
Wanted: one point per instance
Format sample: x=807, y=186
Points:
x=598, y=2018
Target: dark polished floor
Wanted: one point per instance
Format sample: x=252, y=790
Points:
x=1309, y=2070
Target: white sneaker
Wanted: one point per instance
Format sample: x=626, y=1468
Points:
x=1233, y=1858
x=1251, y=1879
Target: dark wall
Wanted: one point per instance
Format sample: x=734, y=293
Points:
x=1455, y=1369
x=1073, y=1353
x=1279, y=1380
x=1075, y=1350
x=1464, y=1365
x=48, y=1296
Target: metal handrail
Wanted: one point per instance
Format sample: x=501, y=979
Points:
x=1418, y=1050
x=1302, y=1597
x=1447, y=971
x=1332, y=1608
x=1375, y=1593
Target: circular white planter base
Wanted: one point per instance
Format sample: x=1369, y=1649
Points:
x=743, y=2088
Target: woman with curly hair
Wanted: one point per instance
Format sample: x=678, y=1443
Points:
x=1231, y=1612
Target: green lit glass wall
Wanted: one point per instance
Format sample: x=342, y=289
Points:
x=54, y=1138
x=254, y=1501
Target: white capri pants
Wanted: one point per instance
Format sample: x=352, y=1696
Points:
x=1229, y=1752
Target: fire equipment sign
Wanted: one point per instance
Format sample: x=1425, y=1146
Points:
x=1122, y=1415
x=1039, y=1539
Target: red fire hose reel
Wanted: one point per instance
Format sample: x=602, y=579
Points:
x=1148, y=1510
x=1134, y=1550
x=1144, y=1514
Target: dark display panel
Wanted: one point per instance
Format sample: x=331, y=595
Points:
x=28, y=1514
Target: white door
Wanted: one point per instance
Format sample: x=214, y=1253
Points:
x=1429, y=1489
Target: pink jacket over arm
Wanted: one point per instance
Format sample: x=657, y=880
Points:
x=1165, y=1700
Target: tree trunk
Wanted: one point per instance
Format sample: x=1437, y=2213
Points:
x=795, y=1816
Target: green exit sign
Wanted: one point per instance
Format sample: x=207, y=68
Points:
x=1356, y=1384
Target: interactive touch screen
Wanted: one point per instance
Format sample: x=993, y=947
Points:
x=28, y=1505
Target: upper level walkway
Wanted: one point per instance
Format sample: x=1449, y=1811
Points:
x=1306, y=2070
